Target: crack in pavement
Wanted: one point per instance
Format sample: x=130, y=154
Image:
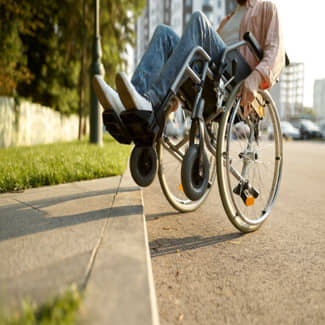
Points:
x=97, y=246
x=28, y=205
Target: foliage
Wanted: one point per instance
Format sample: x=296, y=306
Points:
x=61, y=310
x=13, y=63
x=46, y=47
x=34, y=166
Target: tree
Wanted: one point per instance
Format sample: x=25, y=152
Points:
x=13, y=63
x=47, y=48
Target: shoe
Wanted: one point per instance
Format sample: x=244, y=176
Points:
x=113, y=107
x=107, y=96
x=129, y=95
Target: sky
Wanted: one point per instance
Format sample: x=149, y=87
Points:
x=303, y=27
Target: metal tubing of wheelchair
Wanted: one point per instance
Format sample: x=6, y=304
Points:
x=196, y=50
x=230, y=49
x=211, y=75
x=226, y=52
x=173, y=150
x=235, y=47
x=210, y=147
x=163, y=113
x=197, y=109
x=193, y=75
x=182, y=142
x=241, y=177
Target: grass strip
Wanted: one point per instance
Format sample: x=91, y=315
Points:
x=62, y=310
x=39, y=165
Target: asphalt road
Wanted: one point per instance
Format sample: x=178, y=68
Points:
x=206, y=272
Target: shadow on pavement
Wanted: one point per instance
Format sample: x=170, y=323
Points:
x=164, y=246
x=155, y=216
x=43, y=203
x=21, y=217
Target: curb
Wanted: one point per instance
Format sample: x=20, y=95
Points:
x=119, y=285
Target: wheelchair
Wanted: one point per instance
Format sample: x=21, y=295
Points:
x=222, y=143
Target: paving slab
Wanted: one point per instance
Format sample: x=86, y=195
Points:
x=120, y=287
x=207, y=272
x=47, y=238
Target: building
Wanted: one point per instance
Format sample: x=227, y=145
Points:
x=157, y=12
x=230, y=6
x=175, y=13
x=319, y=98
x=288, y=94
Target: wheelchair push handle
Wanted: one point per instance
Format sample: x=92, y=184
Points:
x=249, y=37
x=287, y=60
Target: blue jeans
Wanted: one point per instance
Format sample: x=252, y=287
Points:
x=167, y=52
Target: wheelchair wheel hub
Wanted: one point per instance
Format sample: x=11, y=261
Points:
x=146, y=166
x=198, y=173
x=249, y=156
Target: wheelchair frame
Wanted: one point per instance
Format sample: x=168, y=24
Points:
x=144, y=158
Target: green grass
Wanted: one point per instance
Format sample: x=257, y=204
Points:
x=34, y=166
x=61, y=310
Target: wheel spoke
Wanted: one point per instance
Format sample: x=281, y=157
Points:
x=250, y=163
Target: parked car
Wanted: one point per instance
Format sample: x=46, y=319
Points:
x=321, y=125
x=308, y=129
x=241, y=131
x=288, y=131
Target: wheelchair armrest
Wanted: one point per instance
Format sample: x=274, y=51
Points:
x=249, y=37
x=251, y=40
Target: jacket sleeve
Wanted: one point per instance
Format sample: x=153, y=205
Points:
x=271, y=66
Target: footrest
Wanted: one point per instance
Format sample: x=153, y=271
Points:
x=142, y=126
x=115, y=127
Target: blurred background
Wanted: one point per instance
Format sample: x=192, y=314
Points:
x=47, y=52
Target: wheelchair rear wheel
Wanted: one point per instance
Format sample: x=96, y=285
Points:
x=249, y=164
x=171, y=151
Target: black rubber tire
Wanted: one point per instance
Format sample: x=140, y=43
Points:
x=194, y=186
x=143, y=165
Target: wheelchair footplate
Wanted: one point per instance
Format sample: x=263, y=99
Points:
x=141, y=125
x=116, y=127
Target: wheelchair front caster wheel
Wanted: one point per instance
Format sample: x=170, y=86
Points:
x=143, y=165
x=195, y=178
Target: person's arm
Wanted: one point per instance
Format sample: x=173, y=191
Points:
x=270, y=67
x=272, y=64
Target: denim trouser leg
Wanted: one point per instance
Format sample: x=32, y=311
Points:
x=161, y=47
x=198, y=32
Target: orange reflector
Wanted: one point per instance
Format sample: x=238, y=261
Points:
x=250, y=201
x=181, y=188
x=261, y=111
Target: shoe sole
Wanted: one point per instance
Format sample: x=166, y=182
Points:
x=101, y=96
x=124, y=91
x=116, y=127
x=141, y=126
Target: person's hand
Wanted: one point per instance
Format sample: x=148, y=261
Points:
x=249, y=90
x=174, y=104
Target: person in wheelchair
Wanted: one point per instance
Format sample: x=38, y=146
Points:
x=167, y=52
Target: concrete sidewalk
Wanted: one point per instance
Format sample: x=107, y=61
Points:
x=89, y=233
